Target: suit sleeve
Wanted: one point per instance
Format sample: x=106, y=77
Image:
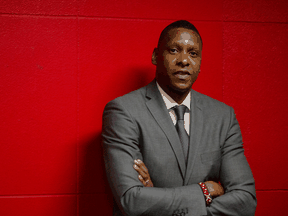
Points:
x=120, y=140
x=235, y=176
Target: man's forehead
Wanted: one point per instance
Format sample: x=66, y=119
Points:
x=185, y=38
x=182, y=35
x=174, y=34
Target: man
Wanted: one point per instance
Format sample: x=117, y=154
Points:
x=182, y=137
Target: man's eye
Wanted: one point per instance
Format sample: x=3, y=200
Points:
x=173, y=50
x=193, y=54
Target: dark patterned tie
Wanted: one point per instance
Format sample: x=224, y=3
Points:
x=184, y=138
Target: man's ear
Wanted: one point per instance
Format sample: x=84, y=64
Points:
x=154, y=56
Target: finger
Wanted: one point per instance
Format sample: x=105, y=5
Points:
x=141, y=172
x=149, y=183
x=142, y=180
x=141, y=165
x=144, y=175
x=137, y=168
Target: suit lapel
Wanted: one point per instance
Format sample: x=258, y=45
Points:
x=159, y=111
x=196, y=126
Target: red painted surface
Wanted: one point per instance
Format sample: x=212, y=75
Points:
x=38, y=105
x=255, y=10
x=151, y=9
x=50, y=7
x=46, y=205
x=270, y=203
x=62, y=61
x=255, y=84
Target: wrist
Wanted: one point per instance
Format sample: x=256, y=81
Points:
x=207, y=195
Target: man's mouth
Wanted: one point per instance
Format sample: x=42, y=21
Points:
x=182, y=74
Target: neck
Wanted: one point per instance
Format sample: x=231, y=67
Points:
x=177, y=96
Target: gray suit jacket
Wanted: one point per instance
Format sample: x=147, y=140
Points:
x=138, y=126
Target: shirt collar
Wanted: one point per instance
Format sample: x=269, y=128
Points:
x=169, y=102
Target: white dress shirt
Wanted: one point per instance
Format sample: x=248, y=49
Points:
x=170, y=103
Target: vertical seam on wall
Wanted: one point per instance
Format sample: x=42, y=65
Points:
x=78, y=114
x=222, y=29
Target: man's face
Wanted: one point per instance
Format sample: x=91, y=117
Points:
x=178, y=60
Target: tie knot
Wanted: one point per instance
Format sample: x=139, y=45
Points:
x=179, y=111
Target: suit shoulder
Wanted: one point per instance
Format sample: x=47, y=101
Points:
x=211, y=103
x=130, y=99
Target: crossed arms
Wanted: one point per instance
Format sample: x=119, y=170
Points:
x=121, y=144
x=215, y=189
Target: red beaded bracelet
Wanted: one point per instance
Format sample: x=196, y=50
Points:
x=206, y=193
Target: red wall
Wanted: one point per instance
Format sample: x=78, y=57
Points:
x=61, y=61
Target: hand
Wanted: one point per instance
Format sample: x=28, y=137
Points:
x=214, y=188
x=143, y=176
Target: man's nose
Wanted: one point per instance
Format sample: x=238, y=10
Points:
x=183, y=58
